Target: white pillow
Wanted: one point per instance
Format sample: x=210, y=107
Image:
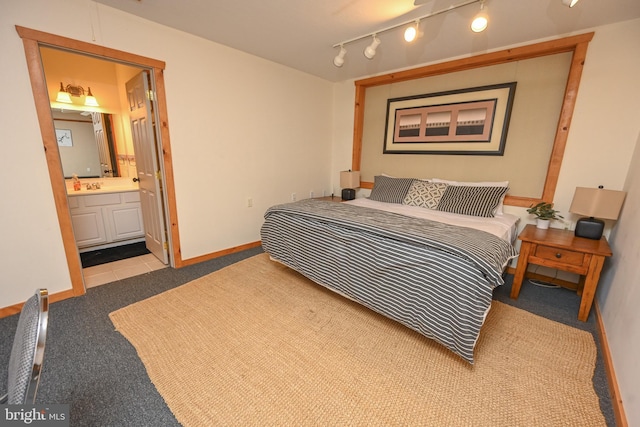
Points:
x=499, y=209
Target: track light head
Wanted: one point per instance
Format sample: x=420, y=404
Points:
x=370, y=51
x=570, y=3
x=338, y=61
x=481, y=20
x=411, y=32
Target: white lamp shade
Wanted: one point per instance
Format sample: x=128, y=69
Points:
x=63, y=97
x=350, y=179
x=91, y=101
x=597, y=202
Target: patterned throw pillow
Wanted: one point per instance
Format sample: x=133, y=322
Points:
x=425, y=194
x=475, y=201
x=390, y=190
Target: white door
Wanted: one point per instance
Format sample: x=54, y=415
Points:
x=106, y=168
x=147, y=163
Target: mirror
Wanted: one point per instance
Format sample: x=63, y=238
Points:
x=95, y=139
x=87, y=145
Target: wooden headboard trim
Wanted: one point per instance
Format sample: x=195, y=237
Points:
x=577, y=45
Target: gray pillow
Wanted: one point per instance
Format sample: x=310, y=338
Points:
x=390, y=190
x=475, y=201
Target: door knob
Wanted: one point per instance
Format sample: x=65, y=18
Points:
x=136, y=179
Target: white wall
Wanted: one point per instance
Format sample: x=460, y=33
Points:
x=604, y=133
x=619, y=295
x=240, y=127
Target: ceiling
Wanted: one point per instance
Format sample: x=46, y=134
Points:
x=301, y=34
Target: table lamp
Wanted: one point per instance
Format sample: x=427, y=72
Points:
x=596, y=204
x=349, y=181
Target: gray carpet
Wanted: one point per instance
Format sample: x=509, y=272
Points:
x=94, y=369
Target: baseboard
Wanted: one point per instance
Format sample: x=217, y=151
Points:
x=218, y=254
x=616, y=399
x=16, y=308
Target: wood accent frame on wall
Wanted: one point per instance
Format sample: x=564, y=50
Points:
x=32, y=40
x=577, y=45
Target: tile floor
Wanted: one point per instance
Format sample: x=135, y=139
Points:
x=106, y=273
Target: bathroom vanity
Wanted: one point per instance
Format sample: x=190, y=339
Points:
x=106, y=216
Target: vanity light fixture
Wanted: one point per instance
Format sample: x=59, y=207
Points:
x=481, y=20
x=66, y=92
x=370, y=51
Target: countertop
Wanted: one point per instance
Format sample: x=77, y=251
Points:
x=107, y=185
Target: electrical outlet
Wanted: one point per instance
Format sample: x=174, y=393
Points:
x=249, y=202
x=311, y=194
x=293, y=197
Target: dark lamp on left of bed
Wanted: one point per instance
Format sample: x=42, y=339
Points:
x=349, y=181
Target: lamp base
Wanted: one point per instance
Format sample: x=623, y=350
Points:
x=589, y=228
x=348, y=194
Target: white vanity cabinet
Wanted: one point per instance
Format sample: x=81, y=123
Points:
x=107, y=219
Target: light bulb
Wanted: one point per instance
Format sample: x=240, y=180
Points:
x=410, y=34
x=479, y=23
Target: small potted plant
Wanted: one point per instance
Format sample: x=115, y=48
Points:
x=544, y=213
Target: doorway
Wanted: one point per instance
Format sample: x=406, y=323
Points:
x=105, y=147
x=32, y=41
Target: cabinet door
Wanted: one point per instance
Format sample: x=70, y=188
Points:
x=125, y=221
x=88, y=227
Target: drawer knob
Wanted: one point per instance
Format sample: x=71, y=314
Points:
x=558, y=255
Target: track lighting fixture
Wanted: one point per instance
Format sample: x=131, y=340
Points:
x=370, y=51
x=339, y=59
x=411, y=32
x=570, y=3
x=481, y=20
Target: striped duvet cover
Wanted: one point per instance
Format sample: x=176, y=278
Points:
x=434, y=278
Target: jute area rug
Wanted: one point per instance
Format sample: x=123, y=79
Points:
x=258, y=344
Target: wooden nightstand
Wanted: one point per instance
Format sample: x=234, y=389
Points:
x=562, y=250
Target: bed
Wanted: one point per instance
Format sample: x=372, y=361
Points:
x=426, y=264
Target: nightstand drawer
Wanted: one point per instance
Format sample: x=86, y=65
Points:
x=560, y=255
